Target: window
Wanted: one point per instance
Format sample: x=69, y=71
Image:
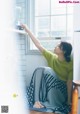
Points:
x=50, y=21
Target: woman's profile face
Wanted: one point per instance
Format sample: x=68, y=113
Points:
x=58, y=50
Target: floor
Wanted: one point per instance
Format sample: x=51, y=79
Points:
x=35, y=112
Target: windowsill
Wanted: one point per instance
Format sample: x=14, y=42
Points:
x=17, y=31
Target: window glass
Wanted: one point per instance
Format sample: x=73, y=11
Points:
x=42, y=26
x=53, y=22
x=42, y=7
x=57, y=8
x=58, y=26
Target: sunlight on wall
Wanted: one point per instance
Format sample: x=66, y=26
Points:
x=11, y=91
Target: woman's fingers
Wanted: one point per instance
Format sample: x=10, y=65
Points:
x=23, y=25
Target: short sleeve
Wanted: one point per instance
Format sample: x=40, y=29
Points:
x=48, y=54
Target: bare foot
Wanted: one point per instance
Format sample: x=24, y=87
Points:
x=37, y=104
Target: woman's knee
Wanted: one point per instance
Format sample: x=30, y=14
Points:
x=44, y=70
x=49, y=70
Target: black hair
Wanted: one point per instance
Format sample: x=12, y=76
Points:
x=67, y=48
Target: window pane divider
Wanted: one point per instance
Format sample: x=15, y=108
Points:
x=51, y=15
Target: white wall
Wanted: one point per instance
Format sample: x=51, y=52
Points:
x=76, y=56
x=32, y=62
x=77, y=46
x=76, y=17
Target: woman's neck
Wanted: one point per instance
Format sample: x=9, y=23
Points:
x=61, y=57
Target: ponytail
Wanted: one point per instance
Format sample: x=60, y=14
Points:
x=68, y=58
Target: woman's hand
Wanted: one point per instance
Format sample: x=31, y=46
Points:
x=24, y=26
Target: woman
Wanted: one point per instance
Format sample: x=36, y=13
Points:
x=55, y=79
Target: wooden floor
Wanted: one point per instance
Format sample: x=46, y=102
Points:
x=35, y=112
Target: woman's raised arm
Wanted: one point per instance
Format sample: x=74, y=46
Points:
x=33, y=38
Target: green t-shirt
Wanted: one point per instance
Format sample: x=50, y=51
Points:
x=62, y=68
